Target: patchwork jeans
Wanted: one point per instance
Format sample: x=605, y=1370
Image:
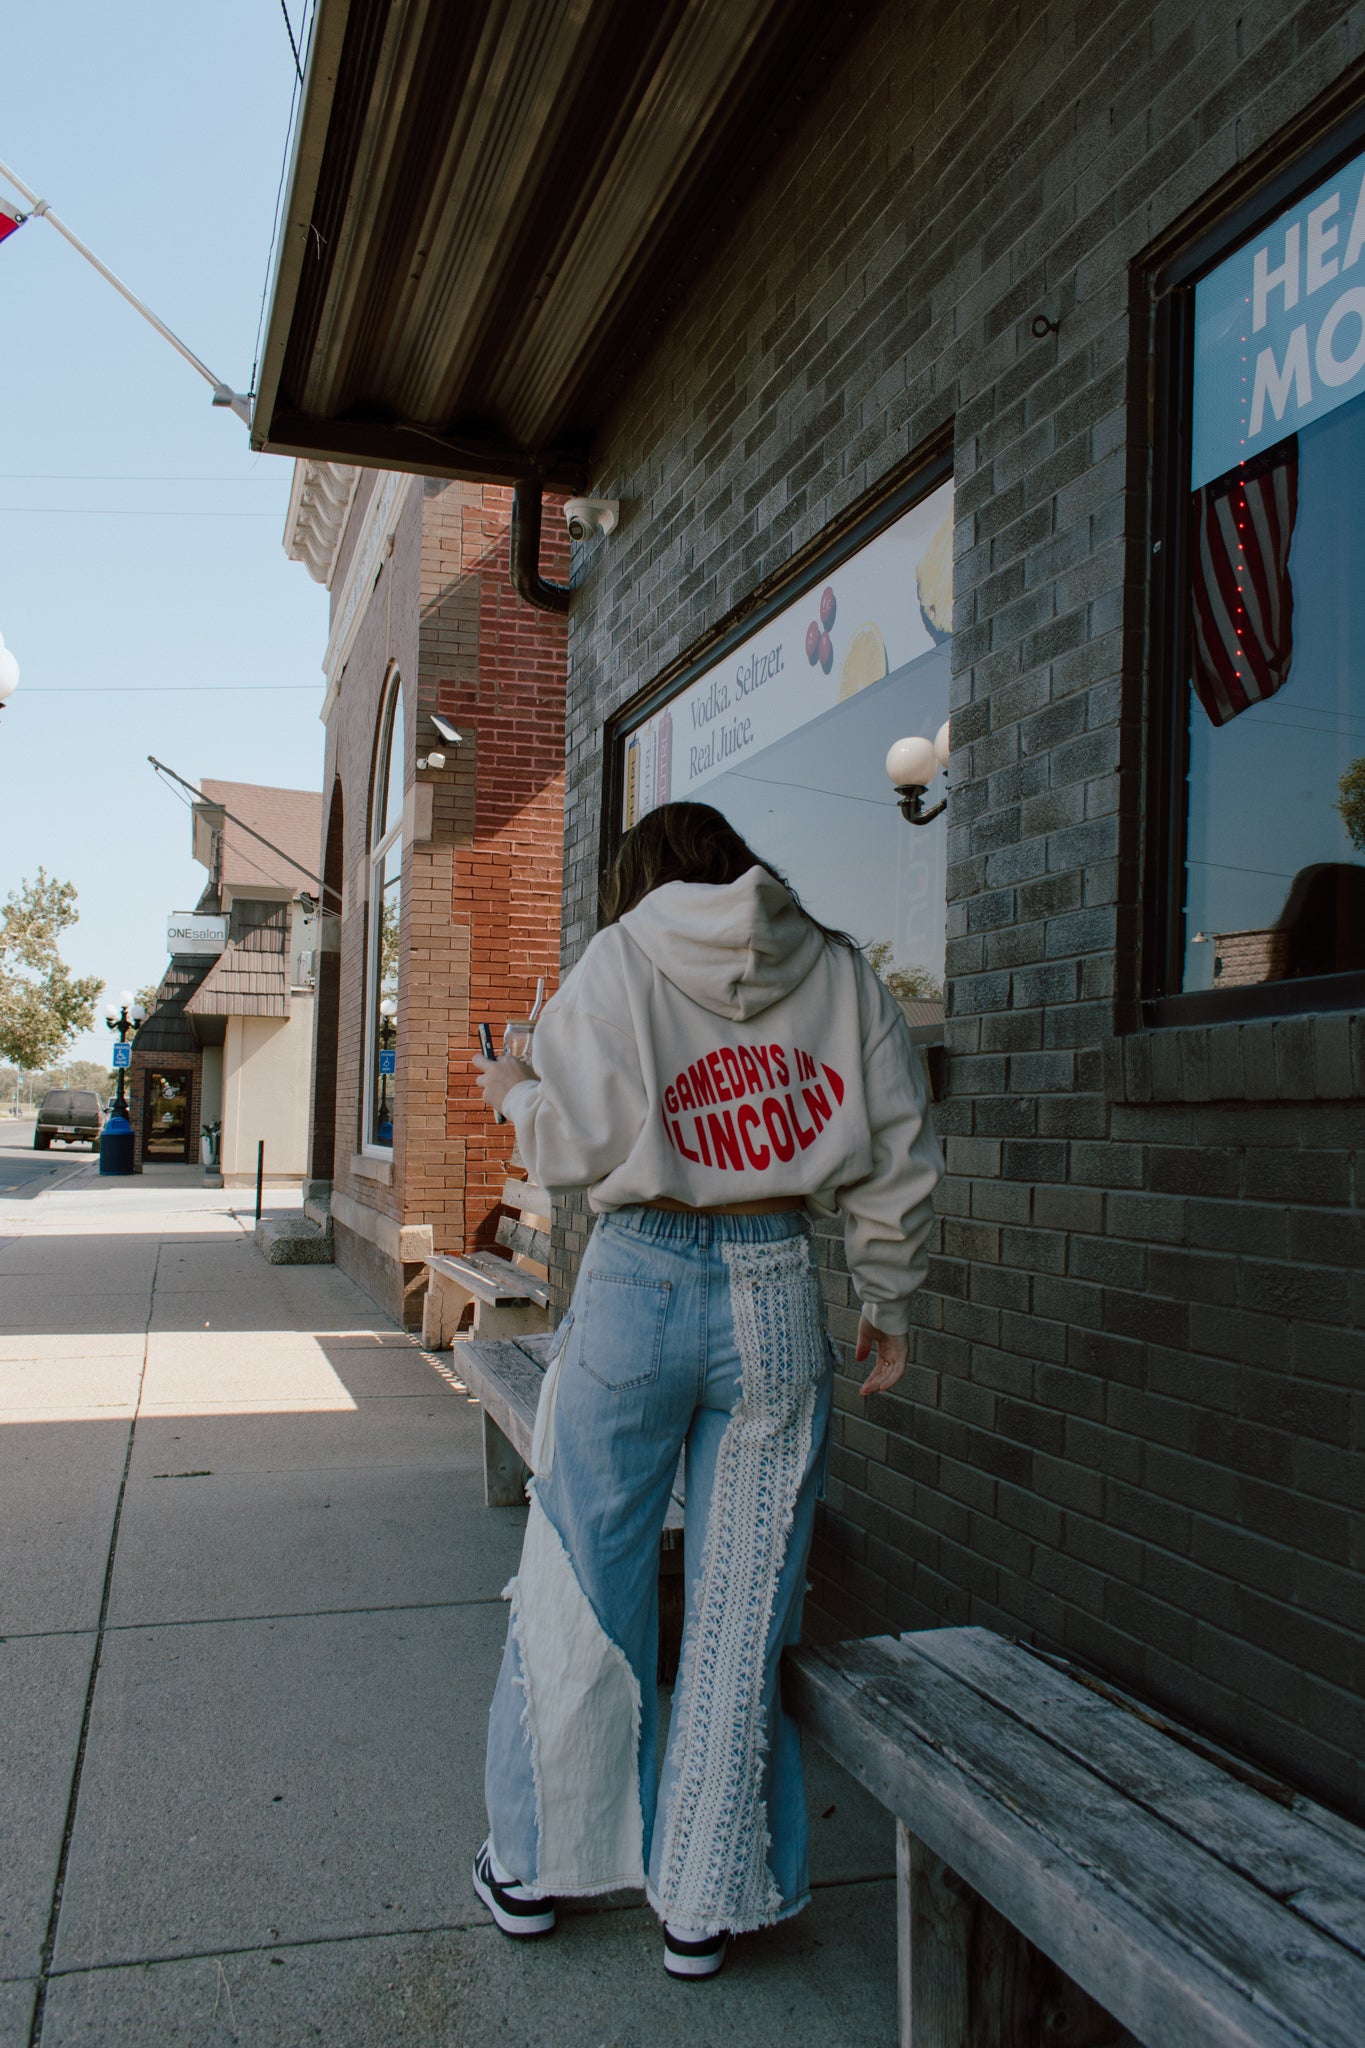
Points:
x=709, y=1332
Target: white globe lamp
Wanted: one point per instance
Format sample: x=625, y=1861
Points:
x=9, y=674
x=912, y=764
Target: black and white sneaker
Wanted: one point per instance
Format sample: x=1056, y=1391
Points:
x=511, y=1905
x=683, y=1958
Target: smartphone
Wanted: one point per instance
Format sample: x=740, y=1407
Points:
x=486, y=1048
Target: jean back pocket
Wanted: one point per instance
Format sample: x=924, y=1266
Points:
x=620, y=1329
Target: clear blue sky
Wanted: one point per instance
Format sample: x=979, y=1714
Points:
x=142, y=578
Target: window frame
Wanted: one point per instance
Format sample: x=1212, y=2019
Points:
x=390, y=751
x=1162, y=1002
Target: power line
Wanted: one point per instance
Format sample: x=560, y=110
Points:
x=63, y=476
x=156, y=689
x=122, y=512
x=289, y=31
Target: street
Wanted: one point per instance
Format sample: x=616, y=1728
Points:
x=25, y=1173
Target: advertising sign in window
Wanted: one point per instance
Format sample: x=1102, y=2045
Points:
x=788, y=732
x=1279, y=328
x=1272, y=780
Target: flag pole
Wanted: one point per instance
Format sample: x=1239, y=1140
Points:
x=223, y=394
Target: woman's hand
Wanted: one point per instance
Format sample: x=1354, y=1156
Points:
x=498, y=1077
x=892, y=1351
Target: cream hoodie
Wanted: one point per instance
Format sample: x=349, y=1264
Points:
x=712, y=1047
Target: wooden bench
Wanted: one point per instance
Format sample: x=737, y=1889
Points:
x=505, y=1375
x=1072, y=1867
x=509, y=1296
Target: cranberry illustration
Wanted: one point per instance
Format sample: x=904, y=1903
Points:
x=828, y=608
x=812, y=643
x=826, y=653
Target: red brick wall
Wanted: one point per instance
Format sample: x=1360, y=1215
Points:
x=481, y=881
x=505, y=877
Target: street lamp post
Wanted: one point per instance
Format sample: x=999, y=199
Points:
x=388, y=1011
x=116, y=1139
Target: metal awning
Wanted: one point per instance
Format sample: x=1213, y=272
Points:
x=494, y=207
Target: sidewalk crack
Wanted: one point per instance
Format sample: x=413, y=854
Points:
x=87, y=1712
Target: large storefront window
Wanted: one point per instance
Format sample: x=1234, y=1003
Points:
x=1268, y=761
x=385, y=908
x=788, y=734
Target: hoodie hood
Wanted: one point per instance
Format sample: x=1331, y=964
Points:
x=733, y=947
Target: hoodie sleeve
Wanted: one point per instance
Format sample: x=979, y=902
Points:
x=579, y=1118
x=889, y=1213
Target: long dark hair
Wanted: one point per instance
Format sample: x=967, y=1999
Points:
x=687, y=843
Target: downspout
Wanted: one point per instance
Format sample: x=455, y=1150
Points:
x=527, y=580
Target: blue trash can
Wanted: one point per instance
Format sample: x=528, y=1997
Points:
x=116, y=1146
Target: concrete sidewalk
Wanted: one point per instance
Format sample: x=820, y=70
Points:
x=249, y=1625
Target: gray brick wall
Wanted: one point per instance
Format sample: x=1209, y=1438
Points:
x=1132, y=1420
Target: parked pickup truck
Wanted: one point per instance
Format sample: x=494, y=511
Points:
x=71, y=1115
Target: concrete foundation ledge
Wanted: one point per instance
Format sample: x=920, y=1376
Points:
x=401, y=1242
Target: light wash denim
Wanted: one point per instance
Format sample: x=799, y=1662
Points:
x=709, y=1332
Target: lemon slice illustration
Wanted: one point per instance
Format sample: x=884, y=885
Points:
x=864, y=663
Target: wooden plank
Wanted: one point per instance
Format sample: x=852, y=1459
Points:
x=1348, y=1834
x=525, y=1197
x=507, y=1384
x=933, y=1947
x=505, y=1376
x=1181, y=1951
x=537, y=1347
x=488, y=1277
x=1263, y=1838
x=515, y=1236
x=505, y=1471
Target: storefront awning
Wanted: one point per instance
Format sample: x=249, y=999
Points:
x=250, y=978
x=494, y=208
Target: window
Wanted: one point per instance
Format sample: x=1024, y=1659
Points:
x=385, y=913
x=1262, y=762
x=788, y=730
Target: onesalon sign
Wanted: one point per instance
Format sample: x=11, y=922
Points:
x=194, y=934
x=1279, y=328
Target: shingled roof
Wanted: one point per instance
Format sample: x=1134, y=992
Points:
x=290, y=818
x=250, y=977
x=165, y=1029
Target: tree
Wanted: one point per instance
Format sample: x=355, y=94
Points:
x=1351, y=802
x=907, y=984
x=147, y=996
x=66, y=1074
x=43, y=1006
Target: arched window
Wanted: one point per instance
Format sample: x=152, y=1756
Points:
x=385, y=911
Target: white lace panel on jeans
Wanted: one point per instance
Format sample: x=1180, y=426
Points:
x=583, y=1718
x=714, y=1870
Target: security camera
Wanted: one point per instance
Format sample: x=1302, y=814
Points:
x=447, y=730
x=591, y=515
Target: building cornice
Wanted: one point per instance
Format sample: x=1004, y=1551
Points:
x=320, y=501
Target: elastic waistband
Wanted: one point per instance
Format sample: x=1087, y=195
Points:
x=700, y=1226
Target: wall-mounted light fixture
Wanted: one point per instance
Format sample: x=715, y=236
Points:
x=912, y=765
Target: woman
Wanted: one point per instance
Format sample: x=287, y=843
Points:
x=715, y=1068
